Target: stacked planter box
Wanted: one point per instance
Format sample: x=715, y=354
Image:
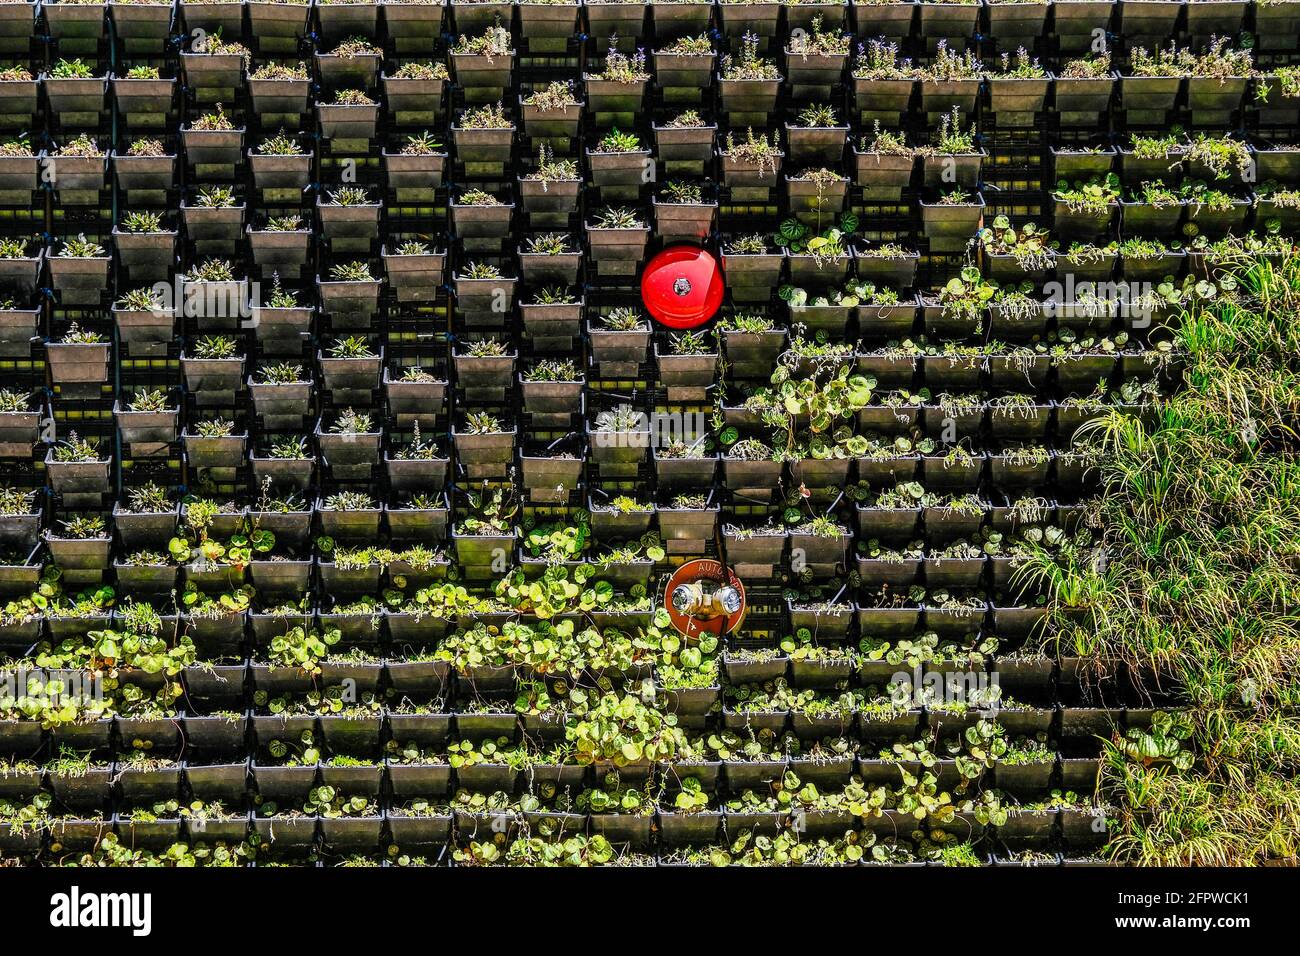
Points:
x=349, y=317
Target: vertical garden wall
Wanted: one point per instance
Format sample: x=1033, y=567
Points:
x=342, y=465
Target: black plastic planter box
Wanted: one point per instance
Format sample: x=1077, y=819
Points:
x=751, y=180
x=283, y=472
x=19, y=431
x=18, y=331
x=1017, y=100
x=813, y=75
x=280, y=172
x=950, y=21
x=1012, y=23
x=550, y=398
x=144, y=332
x=1211, y=95
x=810, y=145
x=414, y=278
x=18, y=98
x=685, y=474
x=611, y=102
x=22, y=274
x=484, y=77
x=1147, y=21
x=79, y=281
x=894, y=272
x=678, y=72
x=149, y=427
x=282, y=98
x=739, y=18
x=617, y=251
x=472, y=17
x=223, y=225
x=138, y=99
x=281, y=401
x=223, y=376
x=420, y=401
x=549, y=201
x=215, y=305
x=72, y=97
x=815, y=202
x=1076, y=22
x=943, y=96
x=1277, y=25
x=345, y=453
x=278, y=250
x=226, y=451
x=144, y=174
x=338, y=121
x=1080, y=101
x=950, y=227
x=360, y=524
x=418, y=525
x=1149, y=94
x=956, y=170
x=339, y=20
x=412, y=25
x=619, y=169
x=757, y=479
x=80, y=554
x=545, y=268
x=750, y=101
x=1082, y=165
x=217, y=72
x=485, y=456
x=885, y=100
x=618, y=354
x=226, y=16
x=348, y=72
x=752, y=277
x=883, y=176
x=360, y=222
x=481, y=222
x=552, y=328
x=1144, y=219
x=78, y=364
x=684, y=222
x=685, y=145
x=351, y=303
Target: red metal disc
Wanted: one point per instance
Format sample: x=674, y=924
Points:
x=704, y=569
x=682, y=287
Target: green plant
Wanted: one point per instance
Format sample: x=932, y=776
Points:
x=146, y=146
x=81, y=248
x=351, y=422
x=74, y=69
x=150, y=400
x=215, y=197
x=214, y=347
x=611, y=217
x=14, y=401
x=495, y=41
x=348, y=196
x=358, y=271
x=142, y=222
x=622, y=68
x=748, y=65
x=487, y=116
x=216, y=121
x=351, y=347
x=555, y=97
x=352, y=98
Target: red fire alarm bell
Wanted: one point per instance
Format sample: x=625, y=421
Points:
x=682, y=287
